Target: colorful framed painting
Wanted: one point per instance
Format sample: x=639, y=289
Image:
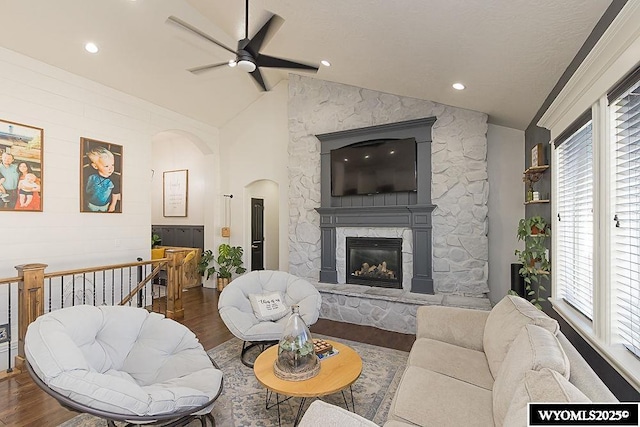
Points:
x=175, y=192
x=21, y=178
x=100, y=176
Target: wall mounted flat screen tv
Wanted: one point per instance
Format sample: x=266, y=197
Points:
x=373, y=167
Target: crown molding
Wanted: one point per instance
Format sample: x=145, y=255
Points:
x=615, y=54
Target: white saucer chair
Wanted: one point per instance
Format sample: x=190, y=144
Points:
x=123, y=363
x=240, y=310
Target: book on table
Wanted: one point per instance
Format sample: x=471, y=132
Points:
x=323, y=349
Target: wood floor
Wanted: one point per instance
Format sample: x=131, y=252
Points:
x=22, y=403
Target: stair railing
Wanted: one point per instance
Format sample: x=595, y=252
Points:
x=135, y=283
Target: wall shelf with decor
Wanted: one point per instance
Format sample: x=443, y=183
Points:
x=530, y=177
x=536, y=170
x=531, y=202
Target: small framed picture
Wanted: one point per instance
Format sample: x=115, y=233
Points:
x=100, y=176
x=537, y=155
x=175, y=192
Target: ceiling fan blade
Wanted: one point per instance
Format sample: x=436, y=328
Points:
x=263, y=34
x=198, y=70
x=257, y=76
x=272, y=62
x=194, y=30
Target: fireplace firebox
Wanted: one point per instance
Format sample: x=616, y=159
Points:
x=374, y=261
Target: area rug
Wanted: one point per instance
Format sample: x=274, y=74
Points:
x=242, y=402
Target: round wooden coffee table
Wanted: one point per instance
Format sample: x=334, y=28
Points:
x=337, y=373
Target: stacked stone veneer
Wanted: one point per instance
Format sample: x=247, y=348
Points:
x=459, y=185
x=385, y=308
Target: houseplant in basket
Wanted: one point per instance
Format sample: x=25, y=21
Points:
x=156, y=251
x=228, y=262
x=534, y=232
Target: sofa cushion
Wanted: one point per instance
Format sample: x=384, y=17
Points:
x=533, y=349
x=545, y=385
x=429, y=398
x=437, y=323
x=394, y=423
x=457, y=362
x=322, y=413
x=504, y=323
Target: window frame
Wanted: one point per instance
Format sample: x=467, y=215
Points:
x=599, y=332
x=613, y=57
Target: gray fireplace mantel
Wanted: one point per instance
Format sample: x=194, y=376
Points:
x=410, y=210
x=415, y=217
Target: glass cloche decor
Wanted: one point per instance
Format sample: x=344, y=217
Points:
x=297, y=361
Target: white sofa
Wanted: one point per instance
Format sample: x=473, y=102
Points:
x=481, y=368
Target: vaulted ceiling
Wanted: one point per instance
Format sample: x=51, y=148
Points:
x=508, y=53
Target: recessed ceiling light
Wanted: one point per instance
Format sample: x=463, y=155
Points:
x=325, y=63
x=232, y=63
x=91, y=47
x=458, y=86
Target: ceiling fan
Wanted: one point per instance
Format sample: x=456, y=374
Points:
x=247, y=57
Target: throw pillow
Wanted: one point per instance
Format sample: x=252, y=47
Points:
x=545, y=385
x=268, y=306
x=504, y=323
x=534, y=348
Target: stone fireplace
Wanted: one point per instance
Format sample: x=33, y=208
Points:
x=445, y=233
x=398, y=233
x=410, y=209
x=374, y=261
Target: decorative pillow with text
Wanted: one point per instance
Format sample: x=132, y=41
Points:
x=269, y=306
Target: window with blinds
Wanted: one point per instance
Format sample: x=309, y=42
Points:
x=574, y=231
x=625, y=110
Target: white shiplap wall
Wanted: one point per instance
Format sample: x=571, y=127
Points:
x=69, y=107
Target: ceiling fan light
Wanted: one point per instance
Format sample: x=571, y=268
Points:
x=246, y=65
x=232, y=63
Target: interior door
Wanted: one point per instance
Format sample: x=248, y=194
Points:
x=257, y=234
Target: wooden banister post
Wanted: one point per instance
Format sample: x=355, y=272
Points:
x=30, y=302
x=175, y=310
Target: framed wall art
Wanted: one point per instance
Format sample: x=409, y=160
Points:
x=175, y=190
x=100, y=176
x=537, y=155
x=21, y=166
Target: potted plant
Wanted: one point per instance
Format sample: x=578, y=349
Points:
x=156, y=252
x=534, y=232
x=228, y=262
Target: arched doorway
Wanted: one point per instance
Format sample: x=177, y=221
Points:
x=176, y=150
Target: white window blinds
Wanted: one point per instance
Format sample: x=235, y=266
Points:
x=574, y=231
x=626, y=236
